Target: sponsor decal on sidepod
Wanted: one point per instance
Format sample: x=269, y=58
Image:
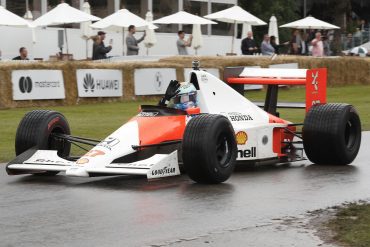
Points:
x=248, y=153
x=109, y=143
x=241, y=138
x=147, y=114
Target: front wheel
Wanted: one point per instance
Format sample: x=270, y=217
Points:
x=209, y=149
x=36, y=131
x=332, y=134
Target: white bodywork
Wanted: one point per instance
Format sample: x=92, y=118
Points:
x=214, y=97
x=217, y=97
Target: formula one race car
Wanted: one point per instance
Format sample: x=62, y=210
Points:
x=204, y=125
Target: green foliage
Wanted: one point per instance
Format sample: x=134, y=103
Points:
x=284, y=10
x=352, y=225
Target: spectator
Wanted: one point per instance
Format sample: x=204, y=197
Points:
x=349, y=42
x=275, y=45
x=96, y=42
x=23, y=54
x=266, y=47
x=363, y=26
x=326, y=46
x=182, y=43
x=357, y=37
x=249, y=46
x=311, y=35
x=99, y=49
x=304, y=46
x=132, y=42
x=317, y=46
x=295, y=43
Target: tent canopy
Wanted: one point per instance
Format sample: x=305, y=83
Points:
x=122, y=19
x=273, y=28
x=63, y=14
x=7, y=18
x=237, y=15
x=310, y=23
x=150, y=38
x=183, y=17
x=85, y=27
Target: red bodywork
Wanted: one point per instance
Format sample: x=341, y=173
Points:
x=163, y=128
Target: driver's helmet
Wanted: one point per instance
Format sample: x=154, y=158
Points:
x=186, y=98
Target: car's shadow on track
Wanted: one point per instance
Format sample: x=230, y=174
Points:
x=265, y=167
x=182, y=183
x=314, y=170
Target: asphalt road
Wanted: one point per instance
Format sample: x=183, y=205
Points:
x=248, y=210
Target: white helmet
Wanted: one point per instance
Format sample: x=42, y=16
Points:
x=186, y=98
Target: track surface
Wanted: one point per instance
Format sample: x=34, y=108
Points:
x=129, y=211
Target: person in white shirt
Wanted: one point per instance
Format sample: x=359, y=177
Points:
x=317, y=46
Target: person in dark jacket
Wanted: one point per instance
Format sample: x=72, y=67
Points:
x=249, y=46
x=276, y=46
x=99, y=49
x=23, y=54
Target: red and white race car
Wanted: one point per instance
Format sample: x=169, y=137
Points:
x=225, y=127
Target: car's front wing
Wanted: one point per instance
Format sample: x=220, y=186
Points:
x=157, y=166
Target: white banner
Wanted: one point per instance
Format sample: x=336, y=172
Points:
x=153, y=81
x=212, y=71
x=252, y=86
x=37, y=84
x=99, y=83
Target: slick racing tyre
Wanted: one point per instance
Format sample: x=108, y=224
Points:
x=35, y=131
x=332, y=134
x=209, y=149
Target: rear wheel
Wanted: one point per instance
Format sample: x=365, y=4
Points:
x=332, y=134
x=36, y=130
x=209, y=149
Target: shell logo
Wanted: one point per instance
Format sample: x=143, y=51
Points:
x=241, y=138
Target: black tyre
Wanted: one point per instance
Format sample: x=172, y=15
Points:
x=332, y=134
x=209, y=149
x=35, y=131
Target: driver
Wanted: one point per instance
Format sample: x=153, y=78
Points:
x=180, y=96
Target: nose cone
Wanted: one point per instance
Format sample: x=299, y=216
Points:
x=118, y=144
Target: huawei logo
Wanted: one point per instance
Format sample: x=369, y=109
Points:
x=89, y=83
x=25, y=84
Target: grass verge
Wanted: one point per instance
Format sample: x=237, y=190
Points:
x=100, y=119
x=351, y=225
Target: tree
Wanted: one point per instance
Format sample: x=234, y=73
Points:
x=336, y=12
x=284, y=10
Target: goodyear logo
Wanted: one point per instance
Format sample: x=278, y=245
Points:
x=241, y=138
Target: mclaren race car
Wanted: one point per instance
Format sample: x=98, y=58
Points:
x=207, y=137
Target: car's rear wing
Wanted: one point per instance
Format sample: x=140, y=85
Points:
x=313, y=79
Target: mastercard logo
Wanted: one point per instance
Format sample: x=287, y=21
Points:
x=241, y=138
